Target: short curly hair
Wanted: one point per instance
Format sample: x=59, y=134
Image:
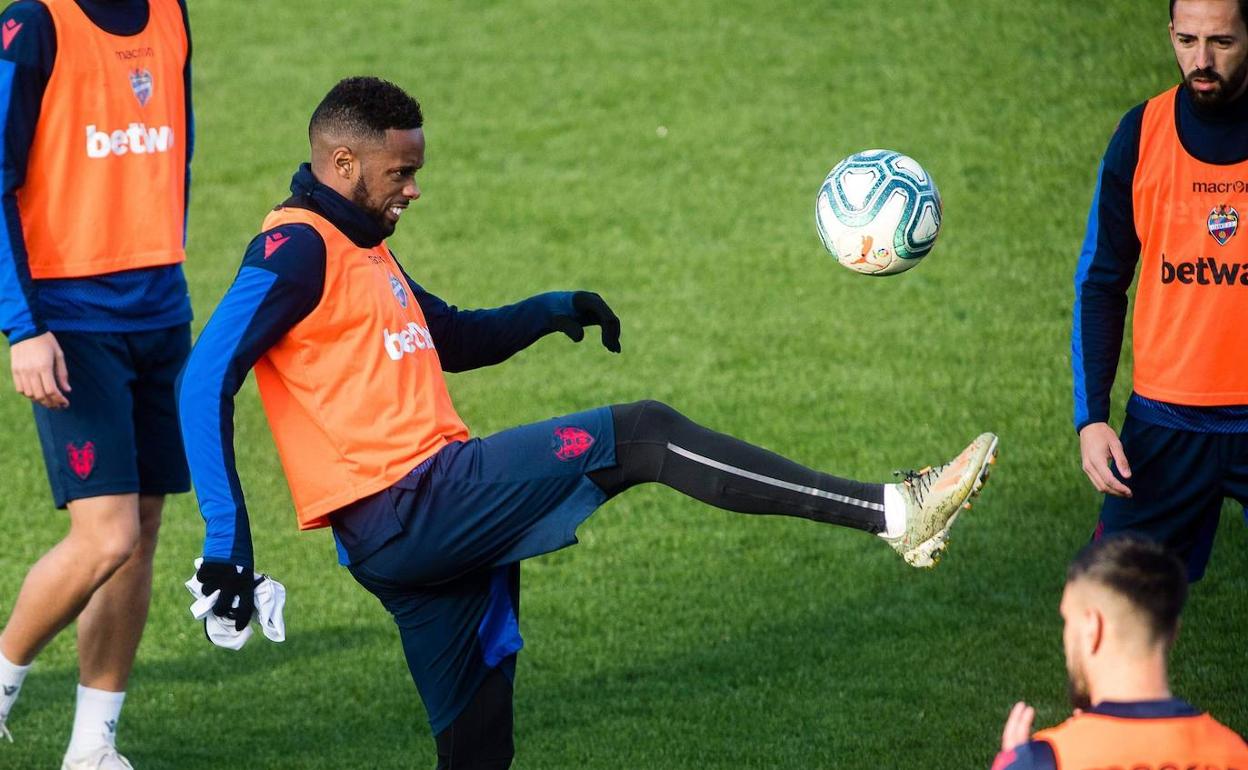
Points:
x=365, y=107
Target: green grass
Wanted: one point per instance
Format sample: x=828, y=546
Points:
x=675, y=636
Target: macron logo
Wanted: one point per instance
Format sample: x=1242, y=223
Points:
x=10, y=30
x=273, y=242
x=409, y=339
x=137, y=138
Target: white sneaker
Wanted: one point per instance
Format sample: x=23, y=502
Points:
x=103, y=758
x=934, y=498
x=4, y=730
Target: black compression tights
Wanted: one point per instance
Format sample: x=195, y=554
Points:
x=480, y=738
x=654, y=442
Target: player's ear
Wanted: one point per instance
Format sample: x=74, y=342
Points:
x=344, y=162
x=1095, y=631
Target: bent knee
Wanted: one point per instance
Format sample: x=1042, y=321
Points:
x=646, y=419
x=108, y=552
x=106, y=530
x=107, y=547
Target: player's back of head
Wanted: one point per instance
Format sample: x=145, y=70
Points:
x=1143, y=574
x=363, y=108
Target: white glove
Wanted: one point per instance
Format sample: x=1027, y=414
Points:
x=270, y=598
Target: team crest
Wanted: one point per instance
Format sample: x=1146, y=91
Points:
x=571, y=442
x=1223, y=222
x=141, y=84
x=81, y=460
x=400, y=293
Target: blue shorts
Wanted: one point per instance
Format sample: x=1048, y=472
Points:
x=119, y=434
x=1178, y=482
x=451, y=578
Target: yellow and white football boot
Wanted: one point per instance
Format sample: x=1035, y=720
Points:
x=934, y=496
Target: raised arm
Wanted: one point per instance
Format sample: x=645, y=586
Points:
x=471, y=339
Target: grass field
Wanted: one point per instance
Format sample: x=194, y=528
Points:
x=675, y=636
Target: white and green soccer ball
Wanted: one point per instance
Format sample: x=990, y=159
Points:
x=878, y=212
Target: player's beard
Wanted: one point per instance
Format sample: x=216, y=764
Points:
x=1077, y=687
x=1228, y=87
x=361, y=197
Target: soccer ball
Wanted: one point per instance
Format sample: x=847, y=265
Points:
x=878, y=212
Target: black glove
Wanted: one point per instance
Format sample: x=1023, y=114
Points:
x=237, y=584
x=589, y=310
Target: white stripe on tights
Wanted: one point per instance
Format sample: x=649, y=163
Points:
x=774, y=482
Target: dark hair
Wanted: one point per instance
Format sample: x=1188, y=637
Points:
x=1243, y=11
x=365, y=107
x=1143, y=572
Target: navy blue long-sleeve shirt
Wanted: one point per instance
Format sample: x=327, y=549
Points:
x=277, y=287
x=132, y=300
x=1107, y=262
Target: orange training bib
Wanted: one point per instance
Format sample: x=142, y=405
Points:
x=1191, y=306
x=105, y=186
x=354, y=393
x=1100, y=742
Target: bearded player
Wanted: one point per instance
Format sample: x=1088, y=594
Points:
x=1120, y=612
x=349, y=354
x=1173, y=188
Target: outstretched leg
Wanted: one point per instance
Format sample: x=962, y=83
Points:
x=655, y=443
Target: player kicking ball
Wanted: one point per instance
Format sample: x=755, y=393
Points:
x=349, y=354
